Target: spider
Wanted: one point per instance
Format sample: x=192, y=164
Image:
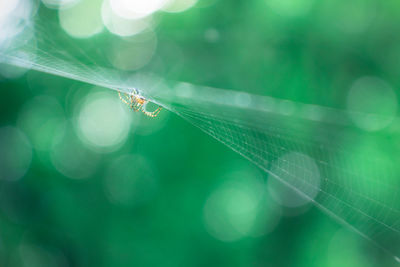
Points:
x=137, y=103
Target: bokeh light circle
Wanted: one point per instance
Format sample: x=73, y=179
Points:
x=135, y=9
x=122, y=26
x=301, y=172
x=15, y=153
x=355, y=17
x=70, y=157
x=212, y=35
x=238, y=208
x=229, y=213
x=134, y=52
x=103, y=122
x=82, y=20
x=372, y=103
x=346, y=249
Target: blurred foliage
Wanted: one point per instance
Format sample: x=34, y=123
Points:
x=142, y=202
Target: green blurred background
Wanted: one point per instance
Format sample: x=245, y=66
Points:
x=86, y=182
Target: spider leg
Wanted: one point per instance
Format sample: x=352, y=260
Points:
x=152, y=114
x=124, y=99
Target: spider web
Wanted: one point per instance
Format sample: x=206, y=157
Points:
x=356, y=189
x=359, y=184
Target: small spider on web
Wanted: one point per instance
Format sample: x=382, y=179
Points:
x=136, y=102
